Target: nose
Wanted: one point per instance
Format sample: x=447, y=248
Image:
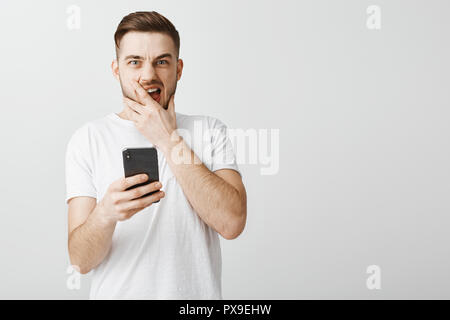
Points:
x=147, y=73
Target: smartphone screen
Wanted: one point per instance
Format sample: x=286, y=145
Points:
x=138, y=161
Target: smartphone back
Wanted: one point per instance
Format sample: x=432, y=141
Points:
x=141, y=160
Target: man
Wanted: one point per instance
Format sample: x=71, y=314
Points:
x=136, y=248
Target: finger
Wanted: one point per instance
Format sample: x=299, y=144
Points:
x=124, y=183
x=140, y=191
x=142, y=96
x=136, y=107
x=143, y=202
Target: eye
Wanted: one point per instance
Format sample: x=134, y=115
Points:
x=133, y=62
x=162, y=62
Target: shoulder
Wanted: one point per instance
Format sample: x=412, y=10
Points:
x=188, y=121
x=84, y=133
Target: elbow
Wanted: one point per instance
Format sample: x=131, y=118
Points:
x=77, y=264
x=236, y=227
x=231, y=236
x=84, y=270
x=238, y=217
x=79, y=267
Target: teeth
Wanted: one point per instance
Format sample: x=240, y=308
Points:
x=152, y=90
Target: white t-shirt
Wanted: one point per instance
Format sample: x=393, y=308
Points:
x=164, y=251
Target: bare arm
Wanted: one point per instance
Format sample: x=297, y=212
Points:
x=89, y=242
x=219, y=199
x=91, y=226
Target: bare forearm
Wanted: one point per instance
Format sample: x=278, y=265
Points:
x=90, y=242
x=216, y=202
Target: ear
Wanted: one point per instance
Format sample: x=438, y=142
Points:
x=115, y=69
x=179, y=68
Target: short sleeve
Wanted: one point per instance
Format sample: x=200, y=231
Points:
x=222, y=153
x=78, y=167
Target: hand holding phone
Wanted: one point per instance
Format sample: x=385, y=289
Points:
x=137, y=190
x=123, y=198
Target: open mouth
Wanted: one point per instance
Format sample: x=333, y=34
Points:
x=155, y=93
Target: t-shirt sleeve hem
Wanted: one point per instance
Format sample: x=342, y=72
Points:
x=80, y=194
x=216, y=168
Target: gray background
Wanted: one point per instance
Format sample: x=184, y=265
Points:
x=363, y=116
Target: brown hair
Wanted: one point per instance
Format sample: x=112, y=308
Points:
x=146, y=21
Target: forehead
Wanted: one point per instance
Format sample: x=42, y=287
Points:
x=146, y=44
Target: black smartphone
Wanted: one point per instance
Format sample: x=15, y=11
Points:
x=138, y=161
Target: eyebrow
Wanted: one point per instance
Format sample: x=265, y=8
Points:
x=134, y=57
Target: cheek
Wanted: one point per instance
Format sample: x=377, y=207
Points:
x=170, y=81
x=127, y=77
